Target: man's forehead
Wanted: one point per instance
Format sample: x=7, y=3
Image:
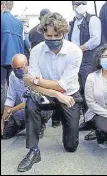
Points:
x=51, y=31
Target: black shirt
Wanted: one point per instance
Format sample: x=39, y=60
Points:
x=35, y=37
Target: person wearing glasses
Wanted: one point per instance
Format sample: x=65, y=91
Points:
x=85, y=31
x=96, y=96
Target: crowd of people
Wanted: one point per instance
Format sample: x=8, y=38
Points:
x=62, y=74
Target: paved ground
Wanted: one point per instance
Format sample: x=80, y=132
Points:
x=89, y=159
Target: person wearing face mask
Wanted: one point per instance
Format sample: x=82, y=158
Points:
x=35, y=37
x=85, y=31
x=13, y=119
x=11, y=44
x=54, y=68
x=96, y=96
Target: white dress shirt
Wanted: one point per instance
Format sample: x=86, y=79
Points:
x=62, y=67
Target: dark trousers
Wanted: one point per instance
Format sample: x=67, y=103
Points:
x=15, y=124
x=85, y=70
x=101, y=128
x=5, y=73
x=69, y=117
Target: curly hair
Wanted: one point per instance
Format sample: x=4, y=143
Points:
x=57, y=21
x=97, y=57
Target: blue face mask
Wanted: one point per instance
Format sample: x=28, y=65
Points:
x=104, y=63
x=54, y=44
x=19, y=73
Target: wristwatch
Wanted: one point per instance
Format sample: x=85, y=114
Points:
x=36, y=81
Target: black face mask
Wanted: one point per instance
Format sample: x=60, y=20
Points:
x=19, y=73
x=54, y=44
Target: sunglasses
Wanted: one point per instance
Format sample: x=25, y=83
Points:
x=80, y=3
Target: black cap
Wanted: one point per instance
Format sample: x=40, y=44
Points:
x=44, y=12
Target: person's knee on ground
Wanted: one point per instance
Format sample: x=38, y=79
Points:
x=70, y=143
x=71, y=147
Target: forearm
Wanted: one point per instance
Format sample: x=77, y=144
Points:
x=92, y=43
x=6, y=108
x=17, y=108
x=50, y=84
x=97, y=109
x=44, y=91
x=83, y=48
x=13, y=109
x=67, y=100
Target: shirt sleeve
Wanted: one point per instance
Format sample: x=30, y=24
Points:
x=11, y=93
x=95, y=33
x=33, y=68
x=89, y=95
x=70, y=76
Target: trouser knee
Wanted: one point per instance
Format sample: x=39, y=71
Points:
x=70, y=144
x=71, y=147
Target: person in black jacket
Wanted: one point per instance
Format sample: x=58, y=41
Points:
x=35, y=36
x=103, y=17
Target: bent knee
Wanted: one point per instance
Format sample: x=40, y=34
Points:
x=70, y=149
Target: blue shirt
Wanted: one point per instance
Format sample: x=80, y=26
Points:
x=15, y=90
x=11, y=37
x=62, y=67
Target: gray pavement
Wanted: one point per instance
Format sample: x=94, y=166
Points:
x=89, y=159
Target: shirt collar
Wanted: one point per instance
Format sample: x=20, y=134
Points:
x=81, y=18
x=62, y=51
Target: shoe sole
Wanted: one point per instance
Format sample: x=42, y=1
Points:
x=30, y=166
x=102, y=146
x=88, y=139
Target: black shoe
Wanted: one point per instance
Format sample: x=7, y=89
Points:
x=85, y=126
x=101, y=136
x=90, y=136
x=27, y=163
x=41, y=134
x=56, y=124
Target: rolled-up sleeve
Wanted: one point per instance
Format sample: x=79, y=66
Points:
x=89, y=95
x=95, y=33
x=11, y=93
x=69, y=79
x=33, y=68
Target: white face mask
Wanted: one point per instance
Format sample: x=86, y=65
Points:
x=81, y=9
